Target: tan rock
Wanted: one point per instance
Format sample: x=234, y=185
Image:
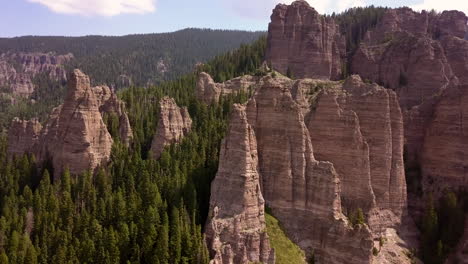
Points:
x=78, y=138
x=174, y=123
x=18, y=69
x=111, y=105
x=303, y=193
x=306, y=43
x=208, y=91
x=236, y=232
x=23, y=136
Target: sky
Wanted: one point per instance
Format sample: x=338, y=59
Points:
x=121, y=17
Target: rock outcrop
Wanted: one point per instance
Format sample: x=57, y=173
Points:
x=80, y=140
x=236, y=232
x=305, y=43
x=304, y=194
x=23, y=136
x=359, y=128
x=18, y=69
x=110, y=105
x=75, y=135
x=324, y=147
x=208, y=91
x=174, y=123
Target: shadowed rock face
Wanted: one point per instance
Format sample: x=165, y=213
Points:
x=323, y=146
x=301, y=40
x=110, y=104
x=236, y=232
x=174, y=123
x=359, y=128
x=23, y=136
x=18, y=69
x=422, y=56
x=75, y=135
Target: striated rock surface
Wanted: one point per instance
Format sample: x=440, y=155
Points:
x=110, y=105
x=174, y=123
x=236, y=232
x=303, y=193
x=80, y=141
x=75, y=135
x=18, y=69
x=359, y=128
x=23, y=136
x=306, y=43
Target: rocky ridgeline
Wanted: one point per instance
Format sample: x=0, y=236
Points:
x=174, y=123
x=18, y=69
x=75, y=136
x=422, y=56
x=325, y=150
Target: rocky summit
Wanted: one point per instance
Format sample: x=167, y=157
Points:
x=236, y=231
x=174, y=123
x=75, y=135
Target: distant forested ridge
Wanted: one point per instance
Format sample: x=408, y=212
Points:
x=143, y=58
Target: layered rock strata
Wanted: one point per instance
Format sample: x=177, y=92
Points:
x=80, y=140
x=359, y=128
x=18, y=69
x=236, y=232
x=174, y=123
x=75, y=135
x=304, y=43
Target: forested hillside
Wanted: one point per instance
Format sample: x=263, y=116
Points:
x=135, y=210
x=134, y=60
x=144, y=58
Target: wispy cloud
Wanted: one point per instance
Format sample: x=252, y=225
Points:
x=99, y=7
x=262, y=8
x=442, y=5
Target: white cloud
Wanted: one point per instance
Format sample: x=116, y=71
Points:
x=99, y=7
x=442, y=5
x=262, y=8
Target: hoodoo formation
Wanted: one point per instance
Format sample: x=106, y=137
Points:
x=350, y=136
x=174, y=123
x=75, y=136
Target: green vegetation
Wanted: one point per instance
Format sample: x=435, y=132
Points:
x=105, y=58
x=286, y=251
x=134, y=210
x=356, y=217
x=442, y=226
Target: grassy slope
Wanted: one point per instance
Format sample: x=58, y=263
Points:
x=286, y=251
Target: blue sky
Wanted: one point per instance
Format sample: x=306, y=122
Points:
x=120, y=17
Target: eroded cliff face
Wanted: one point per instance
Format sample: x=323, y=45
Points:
x=18, y=69
x=23, y=136
x=208, y=91
x=80, y=141
x=359, y=128
x=422, y=56
x=236, y=231
x=75, y=135
x=305, y=43
x=174, y=123
x=324, y=147
x=109, y=104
